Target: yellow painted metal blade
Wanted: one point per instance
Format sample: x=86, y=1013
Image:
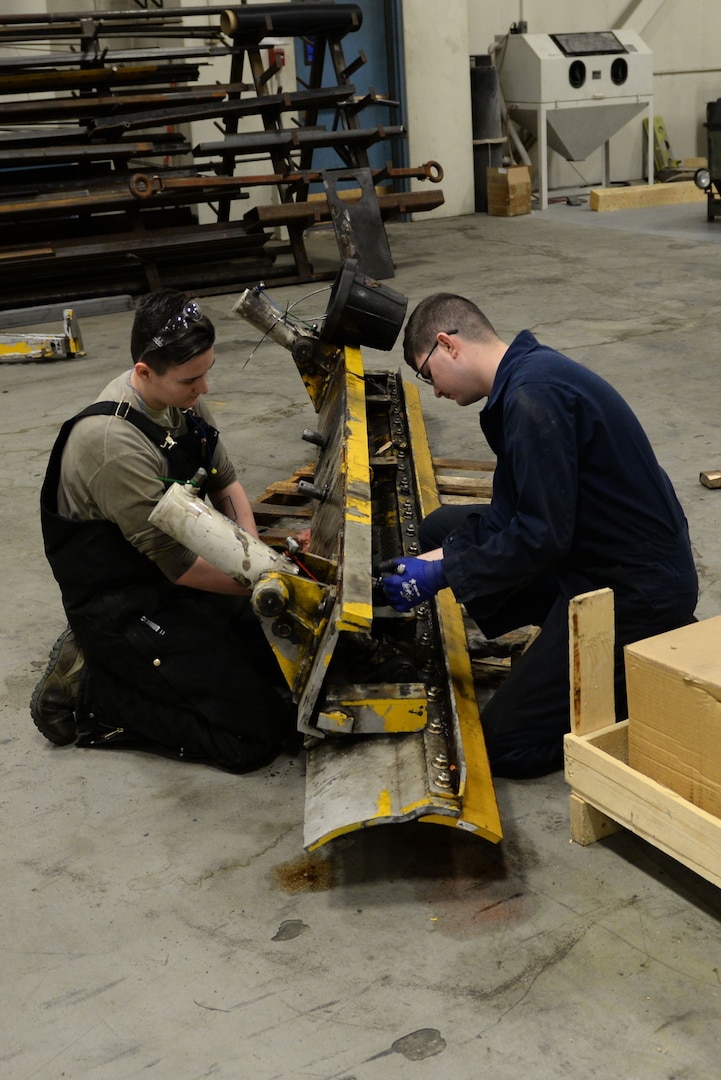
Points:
x=354, y=784
x=479, y=806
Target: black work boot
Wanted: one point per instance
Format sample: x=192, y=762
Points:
x=52, y=705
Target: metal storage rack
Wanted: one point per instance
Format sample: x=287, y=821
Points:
x=100, y=187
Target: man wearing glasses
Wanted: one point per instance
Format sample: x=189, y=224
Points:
x=579, y=503
x=162, y=651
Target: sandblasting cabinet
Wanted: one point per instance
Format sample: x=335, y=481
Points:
x=574, y=91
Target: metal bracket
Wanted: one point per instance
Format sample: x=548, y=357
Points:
x=358, y=225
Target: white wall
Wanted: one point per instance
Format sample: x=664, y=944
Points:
x=436, y=36
x=22, y=7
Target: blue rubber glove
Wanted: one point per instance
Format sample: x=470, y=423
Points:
x=407, y=582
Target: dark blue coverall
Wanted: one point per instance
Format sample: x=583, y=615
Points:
x=579, y=503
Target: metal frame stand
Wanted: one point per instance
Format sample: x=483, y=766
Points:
x=542, y=109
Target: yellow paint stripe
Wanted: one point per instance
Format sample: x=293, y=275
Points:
x=355, y=615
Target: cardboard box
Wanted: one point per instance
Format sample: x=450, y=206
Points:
x=509, y=191
x=674, y=711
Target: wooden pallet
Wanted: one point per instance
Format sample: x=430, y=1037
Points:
x=607, y=794
x=281, y=512
x=462, y=480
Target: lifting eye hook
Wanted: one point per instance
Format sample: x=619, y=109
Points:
x=433, y=171
x=143, y=186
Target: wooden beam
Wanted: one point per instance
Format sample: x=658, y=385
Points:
x=638, y=196
x=473, y=486
x=268, y=511
x=462, y=464
x=590, y=648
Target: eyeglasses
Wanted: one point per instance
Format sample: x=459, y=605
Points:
x=179, y=323
x=419, y=373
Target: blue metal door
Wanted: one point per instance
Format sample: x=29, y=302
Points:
x=380, y=38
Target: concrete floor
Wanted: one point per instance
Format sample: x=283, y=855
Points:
x=162, y=919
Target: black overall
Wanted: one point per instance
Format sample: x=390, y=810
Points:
x=187, y=670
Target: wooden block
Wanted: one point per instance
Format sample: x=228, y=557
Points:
x=588, y=824
x=638, y=196
x=710, y=479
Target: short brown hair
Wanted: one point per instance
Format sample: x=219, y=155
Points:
x=441, y=312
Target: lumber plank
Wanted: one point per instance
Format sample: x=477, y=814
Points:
x=270, y=510
x=276, y=537
x=462, y=464
x=284, y=488
x=590, y=649
x=638, y=196
x=463, y=500
x=464, y=485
